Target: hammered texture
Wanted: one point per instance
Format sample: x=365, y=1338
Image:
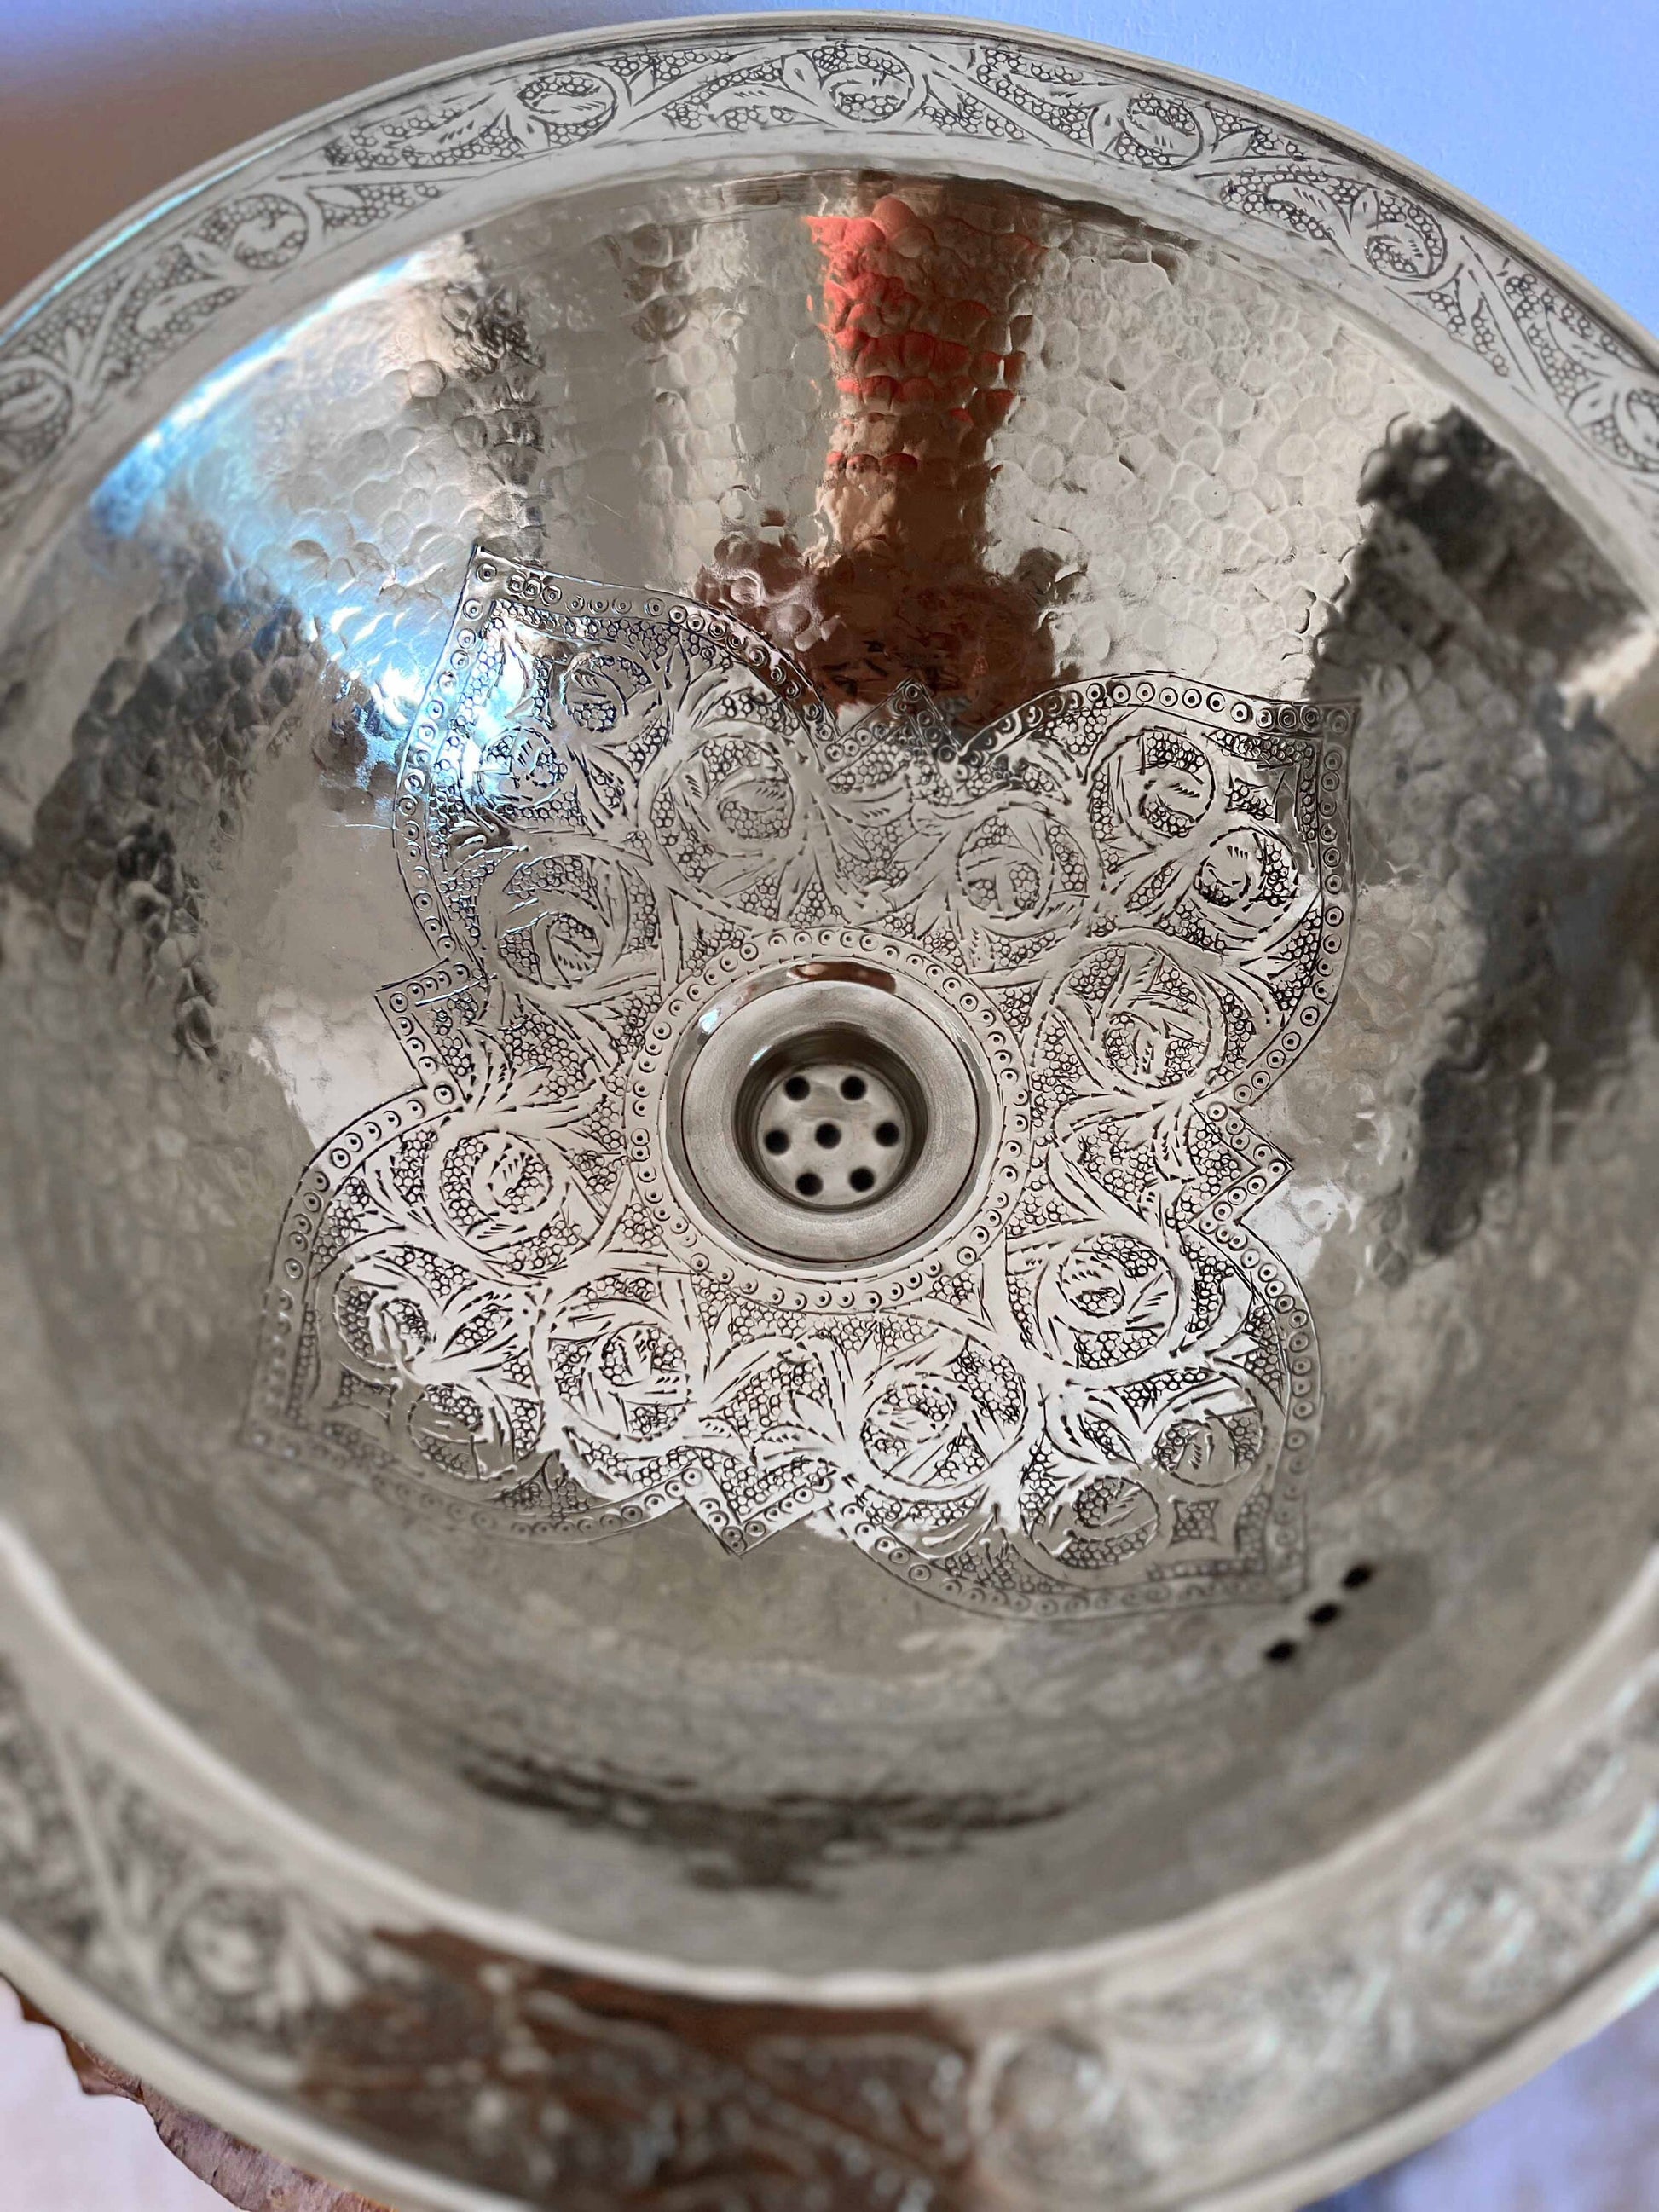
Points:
x=206, y=689
x=1192, y=446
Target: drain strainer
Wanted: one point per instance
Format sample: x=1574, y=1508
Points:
x=837, y=1129
x=826, y=1114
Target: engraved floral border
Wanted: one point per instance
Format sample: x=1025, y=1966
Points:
x=1068, y=114
x=1151, y=2086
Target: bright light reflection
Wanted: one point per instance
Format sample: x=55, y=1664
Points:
x=224, y=452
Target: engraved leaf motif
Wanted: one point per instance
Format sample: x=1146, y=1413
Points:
x=571, y=103
x=1613, y=388
x=501, y=121
x=240, y=1951
x=556, y=722
x=463, y=129
x=1392, y=243
x=873, y=85
x=314, y=1965
x=1152, y=1038
x=759, y=105
x=802, y=78
x=1101, y=1283
x=565, y=930
x=454, y=1349
x=1097, y=1505
x=635, y=1376
x=1303, y=197
x=216, y=273
x=29, y=400
x=1165, y=129
x=827, y=1407
x=352, y=201
x=1380, y=237
x=269, y=233
x=1236, y=140
x=654, y=1373
x=1638, y=419
x=1104, y=100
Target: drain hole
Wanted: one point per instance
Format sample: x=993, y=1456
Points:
x=837, y=1095
x=1280, y=1654
x=1357, y=1577
x=1323, y=1615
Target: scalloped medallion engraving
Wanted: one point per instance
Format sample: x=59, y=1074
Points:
x=1097, y=1393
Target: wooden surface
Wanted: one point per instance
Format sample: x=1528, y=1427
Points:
x=250, y=2180
x=1583, y=2137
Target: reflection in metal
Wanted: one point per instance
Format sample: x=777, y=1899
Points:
x=1088, y=1387
x=925, y=297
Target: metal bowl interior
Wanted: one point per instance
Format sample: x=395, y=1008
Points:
x=790, y=1760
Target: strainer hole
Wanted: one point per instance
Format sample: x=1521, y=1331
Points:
x=852, y=1086
x=809, y=1185
x=887, y=1133
x=796, y=1088
x=827, y=1133
x=776, y=1140
x=862, y=1179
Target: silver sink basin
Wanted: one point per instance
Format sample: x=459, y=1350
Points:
x=826, y=859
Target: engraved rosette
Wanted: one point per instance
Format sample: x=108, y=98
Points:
x=1097, y=1390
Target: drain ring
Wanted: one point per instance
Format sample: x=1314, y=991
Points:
x=794, y=1031
x=929, y=1030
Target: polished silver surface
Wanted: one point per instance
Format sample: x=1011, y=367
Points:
x=542, y=610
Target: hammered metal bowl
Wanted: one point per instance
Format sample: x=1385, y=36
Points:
x=828, y=972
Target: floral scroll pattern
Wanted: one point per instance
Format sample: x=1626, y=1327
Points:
x=485, y=1299
x=158, y=1912
x=403, y=159
x=554, y=2088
